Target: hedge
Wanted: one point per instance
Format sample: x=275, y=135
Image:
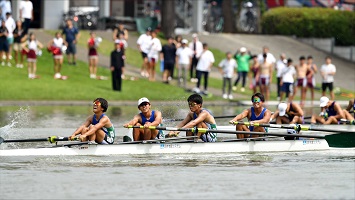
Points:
x=311, y=22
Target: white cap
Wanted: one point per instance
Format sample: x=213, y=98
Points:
x=243, y=49
x=142, y=100
x=184, y=41
x=323, y=101
x=282, y=109
x=194, y=35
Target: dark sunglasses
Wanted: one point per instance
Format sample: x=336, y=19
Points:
x=256, y=100
x=192, y=104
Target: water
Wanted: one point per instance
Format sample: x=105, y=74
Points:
x=283, y=175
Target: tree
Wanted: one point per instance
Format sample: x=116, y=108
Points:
x=228, y=15
x=167, y=17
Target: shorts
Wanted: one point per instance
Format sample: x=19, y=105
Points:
x=264, y=79
x=31, y=56
x=17, y=46
x=168, y=66
x=10, y=40
x=144, y=55
x=152, y=60
x=108, y=140
x=327, y=85
x=311, y=82
x=60, y=56
x=255, y=82
x=4, y=46
x=301, y=82
x=71, y=49
x=287, y=87
x=210, y=137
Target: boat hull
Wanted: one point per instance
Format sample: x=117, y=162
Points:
x=174, y=148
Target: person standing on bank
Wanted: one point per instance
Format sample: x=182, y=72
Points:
x=26, y=14
x=116, y=66
x=243, y=67
x=197, y=48
x=227, y=69
x=328, y=71
x=72, y=35
x=143, y=46
x=280, y=65
x=146, y=118
x=97, y=129
x=167, y=55
x=183, y=59
x=153, y=55
x=203, y=68
x=19, y=38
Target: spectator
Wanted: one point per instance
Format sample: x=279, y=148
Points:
x=72, y=35
x=31, y=48
x=153, y=55
x=254, y=68
x=4, y=45
x=93, y=55
x=120, y=29
x=328, y=71
x=227, y=67
x=280, y=65
x=177, y=43
x=10, y=25
x=301, y=70
x=265, y=77
x=288, y=75
x=123, y=44
x=26, y=14
x=203, y=68
x=55, y=46
x=167, y=56
x=183, y=58
x=116, y=66
x=311, y=81
x=243, y=67
x=19, y=38
x=197, y=48
x=5, y=6
x=143, y=46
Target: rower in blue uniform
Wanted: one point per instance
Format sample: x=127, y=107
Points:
x=256, y=114
x=198, y=117
x=146, y=118
x=331, y=112
x=97, y=129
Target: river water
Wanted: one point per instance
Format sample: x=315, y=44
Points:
x=283, y=175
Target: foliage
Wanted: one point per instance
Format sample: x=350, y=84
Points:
x=311, y=22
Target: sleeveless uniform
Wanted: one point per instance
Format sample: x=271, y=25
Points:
x=330, y=110
x=253, y=117
x=57, y=48
x=311, y=82
x=264, y=79
x=208, y=137
x=31, y=55
x=151, y=119
x=110, y=132
x=290, y=117
x=92, y=50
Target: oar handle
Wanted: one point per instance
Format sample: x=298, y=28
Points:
x=51, y=139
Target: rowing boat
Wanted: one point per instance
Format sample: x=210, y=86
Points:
x=173, y=148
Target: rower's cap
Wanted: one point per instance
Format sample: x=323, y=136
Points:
x=323, y=101
x=282, y=109
x=184, y=41
x=243, y=49
x=142, y=100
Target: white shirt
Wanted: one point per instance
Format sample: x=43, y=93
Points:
x=199, y=48
x=184, y=54
x=288, y=73
x=269, y=58
x=328, y=69
x=32, y=45
x=58, y=42
x=5, y=8
x=205, y=60
x=143, y=41
x=10, y=24
x=26, y=7
x=228, y=67
x=154, y=48
x=280, y=64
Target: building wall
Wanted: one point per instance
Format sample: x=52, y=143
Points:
x=53, y=12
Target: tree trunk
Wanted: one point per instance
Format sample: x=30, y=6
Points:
x=167, y=17
x=228, y=16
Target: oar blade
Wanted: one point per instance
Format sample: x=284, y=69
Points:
x=341, y=140
x=1, y=140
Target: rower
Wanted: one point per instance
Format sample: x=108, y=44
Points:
x=288, y=113
x=146, y=118
x=331, y=112
x=256, y=114
x=97, y=128
x=347, y=111
x=198, y=117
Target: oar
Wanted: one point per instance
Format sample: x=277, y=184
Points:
x=341, y=139
x=216, y=117
x=51, y=139
x=157, y=140
x=297, y=127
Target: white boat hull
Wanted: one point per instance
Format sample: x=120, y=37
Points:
x=174, y=148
